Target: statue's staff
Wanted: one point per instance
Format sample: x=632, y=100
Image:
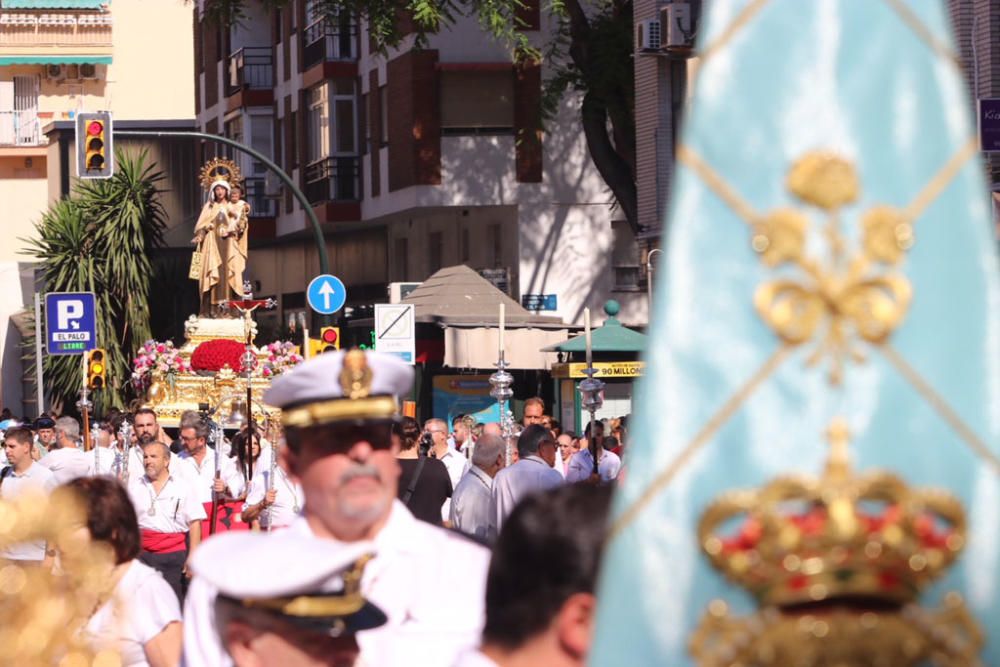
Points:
x=271, y=483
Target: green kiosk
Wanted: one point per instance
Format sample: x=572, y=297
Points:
x=616, y=350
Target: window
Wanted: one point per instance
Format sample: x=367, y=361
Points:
x=260, y=139
x=479, y=102
x=367, y=122
x=435, y=251
x=383, y=102
x=402, y=259
x=496, y=244
x=318, y=123
x=344, y=119
x=625, y=257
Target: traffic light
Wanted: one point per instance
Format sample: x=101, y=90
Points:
x=329, y=339
x=94, y=155
x=96, y=368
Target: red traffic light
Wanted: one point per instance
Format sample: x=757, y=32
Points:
x=95, y=127
x=329, y=335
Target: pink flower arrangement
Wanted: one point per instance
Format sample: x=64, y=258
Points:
x=281, y=356
x=155, y=357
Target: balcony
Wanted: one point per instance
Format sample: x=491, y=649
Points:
x=250, y=68
x=330, y=40
x=20, y=128
x=261, y=205
x=49, y=30
x=333, y=179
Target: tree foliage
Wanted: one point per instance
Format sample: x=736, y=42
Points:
x=588, y=50
x=99, y=240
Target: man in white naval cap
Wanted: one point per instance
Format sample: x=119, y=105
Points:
x=307, y=611
x=338, y=410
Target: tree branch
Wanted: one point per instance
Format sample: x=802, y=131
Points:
x=615, y=171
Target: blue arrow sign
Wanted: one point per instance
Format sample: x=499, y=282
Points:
x=70, y=322
x=326, y=294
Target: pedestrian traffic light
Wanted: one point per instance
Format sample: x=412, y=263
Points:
x=329, y=338
x=94, y=155
x=96, y=368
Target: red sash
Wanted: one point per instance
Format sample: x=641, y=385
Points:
x=162, y=543
x=228, y=517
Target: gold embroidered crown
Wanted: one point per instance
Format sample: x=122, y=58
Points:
x=841, y=537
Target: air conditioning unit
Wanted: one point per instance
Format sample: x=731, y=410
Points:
x=677, y=30
x=399, y=291
x=88, y=71
x=55, y=72
x=647, y=35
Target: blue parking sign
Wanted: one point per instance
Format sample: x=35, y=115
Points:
x=70, y=322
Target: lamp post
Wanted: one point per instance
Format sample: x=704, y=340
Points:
x=649, y=281
x=590, y=390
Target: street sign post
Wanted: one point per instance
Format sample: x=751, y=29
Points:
x=395, y=330
x=70, y=322
x=326, y=294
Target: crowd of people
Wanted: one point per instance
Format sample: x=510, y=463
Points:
x=350, y=536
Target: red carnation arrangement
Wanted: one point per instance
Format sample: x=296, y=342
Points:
x=212, y=355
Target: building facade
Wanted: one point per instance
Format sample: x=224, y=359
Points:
x=59, y=57
x=412, y=160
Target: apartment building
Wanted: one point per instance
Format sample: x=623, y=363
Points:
x=59, y=57
x=413, y=160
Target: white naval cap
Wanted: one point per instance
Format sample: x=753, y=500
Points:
x=339, y=386
x=317, y=583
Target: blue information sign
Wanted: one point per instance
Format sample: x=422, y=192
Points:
x=538, y=301
x=326, y=294
x=70, y=322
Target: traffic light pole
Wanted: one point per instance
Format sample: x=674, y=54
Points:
x=324, y=262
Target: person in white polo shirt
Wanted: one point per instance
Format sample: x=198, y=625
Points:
x=274, y=499
x=22, y=475
x=197, y=464
x=169, y=515
x=69, y=461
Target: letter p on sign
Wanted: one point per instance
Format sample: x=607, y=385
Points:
x=67, y=311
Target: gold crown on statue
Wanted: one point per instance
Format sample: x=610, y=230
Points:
x=219, y=169
x=841, y=537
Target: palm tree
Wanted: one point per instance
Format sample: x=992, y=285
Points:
x=100, y=240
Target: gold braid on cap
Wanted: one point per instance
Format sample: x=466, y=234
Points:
x=219, y=169
x=345, y=603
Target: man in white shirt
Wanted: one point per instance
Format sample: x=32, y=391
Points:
x=470, y=504
x=531, y=473
x=169, y=516
x=581, y=467
x=275, y=501
x=23, y=475
x=68, y=461
x=337, y=410
x=197, y=464
x=455, y=462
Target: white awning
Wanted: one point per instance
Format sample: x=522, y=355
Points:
x=478, y=347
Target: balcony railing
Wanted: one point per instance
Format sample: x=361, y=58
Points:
x=261, y=205
x=334, y=179
x=251, y=67
x=55, y=29
x=330, y=40
x=20, y=128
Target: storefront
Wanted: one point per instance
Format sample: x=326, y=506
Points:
x=616, y=350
